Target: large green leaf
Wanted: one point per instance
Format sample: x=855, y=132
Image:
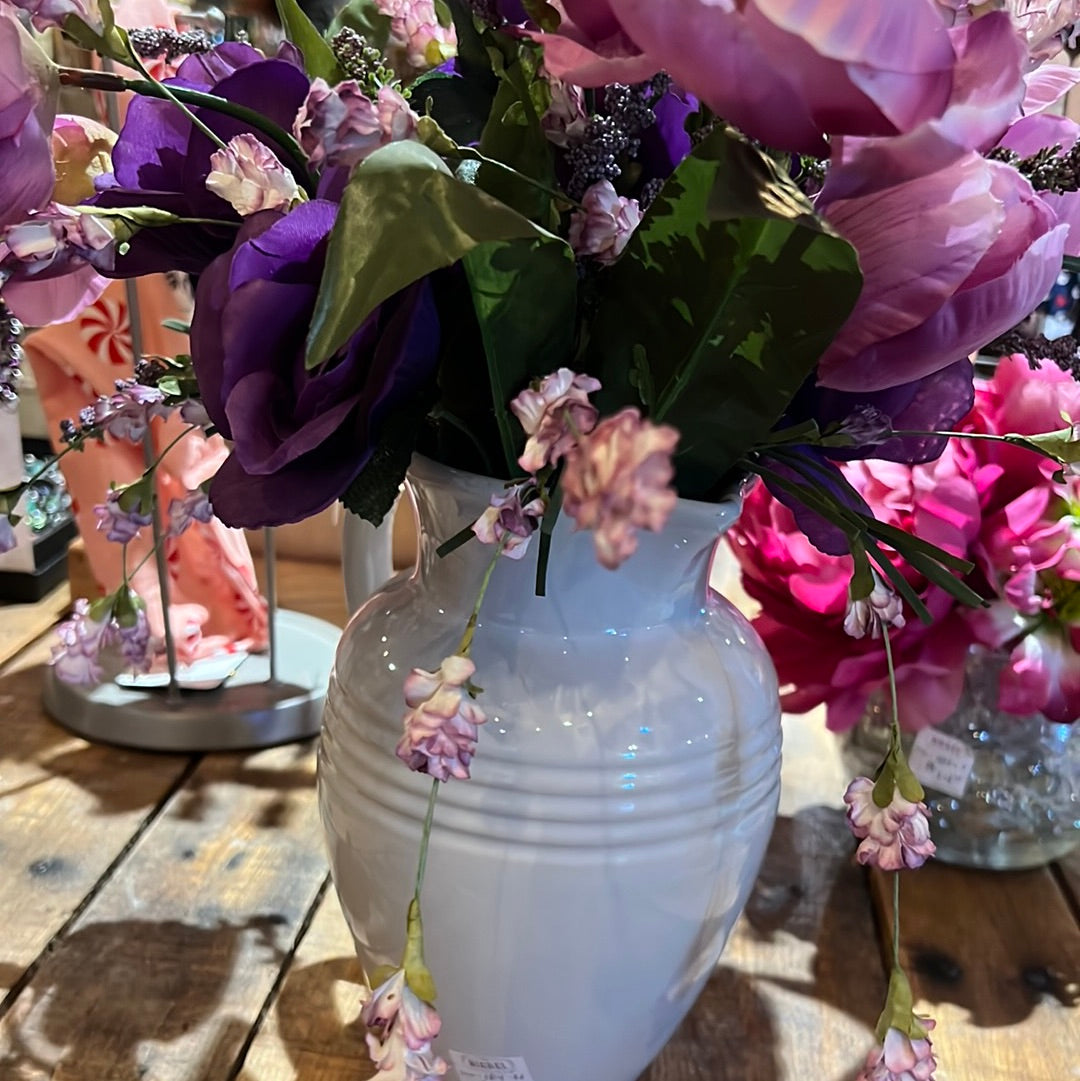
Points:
x=525, y=296
x=319, y=60
x=721, y=304
x=403, y=215
x=366, y=19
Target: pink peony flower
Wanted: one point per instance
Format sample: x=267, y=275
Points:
x=606, y=224
x=617, y=481
x=554, y=415
x=442, y=721
x=804, y=594
x=511, y=522
x=249, y=177
x=891, y=837
x=341, y=126
x=901, y=1058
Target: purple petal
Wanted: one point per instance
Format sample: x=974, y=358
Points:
x=284, y=251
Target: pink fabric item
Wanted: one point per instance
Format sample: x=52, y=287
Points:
x=216, y=602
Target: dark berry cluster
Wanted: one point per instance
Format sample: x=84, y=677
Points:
x=1048, y=169
x=361, y=61
x=613, y=135
x=153, y=41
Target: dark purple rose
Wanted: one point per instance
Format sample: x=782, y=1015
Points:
x=665, y=143
x=299, y=437
x=162, y=160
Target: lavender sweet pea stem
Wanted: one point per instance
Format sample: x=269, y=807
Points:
x=894, y=749
x=421, y=865
x=115, y=84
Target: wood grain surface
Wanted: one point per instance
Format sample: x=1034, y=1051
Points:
x=170, y=918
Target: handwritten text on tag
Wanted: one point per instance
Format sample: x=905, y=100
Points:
x=941, y=762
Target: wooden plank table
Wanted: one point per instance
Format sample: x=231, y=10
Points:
x=170, y=918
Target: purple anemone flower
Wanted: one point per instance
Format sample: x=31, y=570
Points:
x=299, y=437
x=162, y=160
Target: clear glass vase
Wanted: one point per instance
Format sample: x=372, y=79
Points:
x=1020, y=806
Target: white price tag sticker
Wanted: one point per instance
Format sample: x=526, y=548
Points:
x=941, y=762
x=489, y=1067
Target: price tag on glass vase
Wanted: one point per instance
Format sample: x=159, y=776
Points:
x=489, y=1067
x=941, y=762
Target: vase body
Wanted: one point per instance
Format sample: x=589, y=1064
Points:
x=1020, y=805
x=581, y=885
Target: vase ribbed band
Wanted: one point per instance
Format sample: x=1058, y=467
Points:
x=581, y=885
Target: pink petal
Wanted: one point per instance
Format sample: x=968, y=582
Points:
x=54, y=300
x=1048, y=84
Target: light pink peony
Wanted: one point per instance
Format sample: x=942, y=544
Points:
x=617, y=481
x=554, y=415
x=442, y=721
x=249, y=177
x=890, y=837
x=901, y=1058
x=510, y=521
x=606, y=224
x=341, y=126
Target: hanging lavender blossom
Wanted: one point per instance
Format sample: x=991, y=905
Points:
x=122, y=514
x=194, y=507
x=11, y=355
x=76, y=657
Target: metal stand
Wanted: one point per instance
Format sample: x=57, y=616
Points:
x=249, y=710
x=270, y=698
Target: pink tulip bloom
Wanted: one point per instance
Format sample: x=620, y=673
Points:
x=787, y=72
x=591, y=48
x=441, y=725
x=950, y=260
x=46, y=13
x=617, y=481
x=900, y=1058
x=890, y=837
x=554, y=415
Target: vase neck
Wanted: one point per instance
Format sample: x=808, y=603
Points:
x=667, y=574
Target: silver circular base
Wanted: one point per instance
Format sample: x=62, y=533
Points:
x=247, y=712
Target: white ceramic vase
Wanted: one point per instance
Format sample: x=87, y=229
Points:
x=581, y=885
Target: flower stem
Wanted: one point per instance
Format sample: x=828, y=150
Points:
x=421, y=865
x=474, y=616
x=112, y=83
x=894, y=728
x=896, y=918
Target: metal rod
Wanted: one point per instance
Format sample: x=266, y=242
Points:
x=270, y=561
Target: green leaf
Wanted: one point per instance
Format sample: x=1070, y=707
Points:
x=366, y=19
x=513, y=136
x=111, y=41
x=403, y=215
x=732, y=288
x=899, y=1011
x=523, y=336
x=319, y=59
x=417, y=974
x=181, y=326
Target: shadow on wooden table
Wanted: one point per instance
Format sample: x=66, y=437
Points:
x=122, y=999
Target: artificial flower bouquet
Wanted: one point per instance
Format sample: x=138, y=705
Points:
x=609, y=251
x=1009, y=514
